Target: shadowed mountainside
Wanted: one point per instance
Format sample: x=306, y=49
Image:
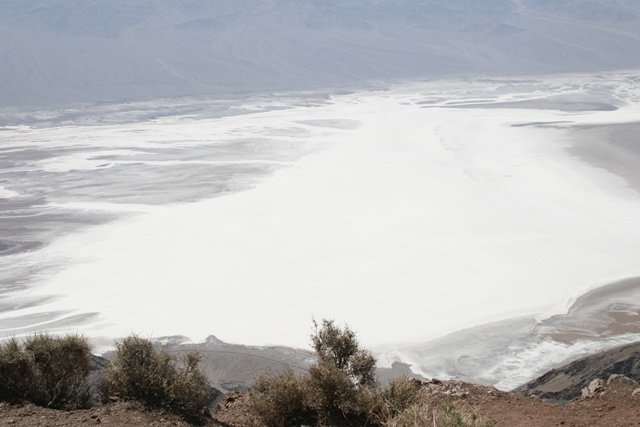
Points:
x=566, y=383
x=61, y=51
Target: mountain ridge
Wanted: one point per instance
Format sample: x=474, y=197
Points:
x=65, y=51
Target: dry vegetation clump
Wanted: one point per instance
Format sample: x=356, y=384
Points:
x=45, y=370
x=340, y=389
x=153, y=377
x=283, y=399
x=339, y=348
x=451, y=415
x=446, y=414
x=394, y=399
x=16, y=367
x=342, y=381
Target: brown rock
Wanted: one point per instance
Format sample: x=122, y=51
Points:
x=595, y=387
x=620, y=379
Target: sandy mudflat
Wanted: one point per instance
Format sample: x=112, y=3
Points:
x=604, y=312
x=544, y=104
x=614, y=147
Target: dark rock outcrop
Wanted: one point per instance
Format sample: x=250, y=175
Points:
x=567, y=382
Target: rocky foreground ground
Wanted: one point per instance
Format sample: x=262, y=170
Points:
x=606, y=402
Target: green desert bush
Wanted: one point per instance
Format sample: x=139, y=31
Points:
x=339, y=347
x=46, y=370
x=343, y=377
x=338, y=390
x=155, y=378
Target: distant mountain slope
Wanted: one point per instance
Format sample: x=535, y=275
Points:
x=565, y=383
x=58, y=51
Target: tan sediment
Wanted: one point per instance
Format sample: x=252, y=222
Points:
x=604, y=312
x=614, y=147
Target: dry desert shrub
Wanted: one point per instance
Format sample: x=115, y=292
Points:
x=339, y=348
x=446, y=414
x=394, y=399
x=45, y=370
x=452, y=415
x=16, y=368
x=153, y=377
x=340, y=389
x=16, y=371
x=334, y=396
x=283, y=400
x=416, y=415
